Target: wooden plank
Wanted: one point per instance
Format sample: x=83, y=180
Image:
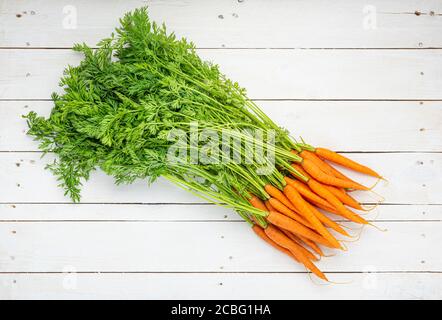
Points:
x=219, y=286
x=140, y=212
x=415, y=178
x=178, y=212
x=202, y=247
x=366, y=125
x=282, y=74
x=251, y=24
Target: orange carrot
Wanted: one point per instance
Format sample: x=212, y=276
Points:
x=296, y=240
x=276, y=193
x=324, y=166
x=328, y=208
x=323, y=192
x=257, y=203
x=280, y=207
x=305, y=191
x=326, y=221
x=304, y=209
x=344, y=197
x=269, y=206
x=298, y=168
x=319, y=175
x=312, y=245
x=281, y=239
x=284, y=222
x=345, y=162
x=261, y=233
x=300, y=239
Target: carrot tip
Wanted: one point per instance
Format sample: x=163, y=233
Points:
x=377, y=228
x=381, y=198
x=371, y=208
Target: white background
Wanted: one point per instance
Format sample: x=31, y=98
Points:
x=361, y=77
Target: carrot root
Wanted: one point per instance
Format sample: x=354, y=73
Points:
x=345, y=162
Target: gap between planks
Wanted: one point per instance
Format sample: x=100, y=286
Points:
x=221, y=272
x=192, y=221
x=245, y=48
x=270, y=99
x=182, y=203
x=338, y=151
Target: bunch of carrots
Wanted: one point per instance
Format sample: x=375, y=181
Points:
x=294, y=224
x=121, y=105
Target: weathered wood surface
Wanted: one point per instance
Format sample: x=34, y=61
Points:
x=282, y=74
x=372, y=129
x=320, y=69
x=232, y=23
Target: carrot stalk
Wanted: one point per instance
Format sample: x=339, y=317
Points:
x=345, y=162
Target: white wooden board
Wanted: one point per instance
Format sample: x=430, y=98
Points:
x=219, y=286
x=28, y=212
x=202, y=247
x=413, y=177
x=315, y=67
x=371, y=130
x=282, y=74
x=232, y=23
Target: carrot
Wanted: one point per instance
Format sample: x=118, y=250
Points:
x=281, y=239
x=319, y=175
x=300, y=170
x=304, y=209
x=269, y=206
x=312, y=245
x=344, y=197
x=296, y=240
x=257, y=203
x=326, y=221
x=323, y=192
x=261, y=233
x=328, y=208
x=309, y=243
x=305, y=191
x=281, y=208
x=276, y=193
x=345, y=162
x=336, y=172
x=284, y=222
x=324, y=166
